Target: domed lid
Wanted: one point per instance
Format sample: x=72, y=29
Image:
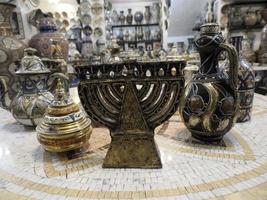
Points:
x=31, y=64
x=62, y=98
x=47, y=24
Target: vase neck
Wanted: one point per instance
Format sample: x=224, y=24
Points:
x=209, y=62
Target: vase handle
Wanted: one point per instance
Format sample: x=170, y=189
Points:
x=234, y=64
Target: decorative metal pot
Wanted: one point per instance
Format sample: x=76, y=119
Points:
x=115, y=17
x=29, y=106
x=155, y=13
x=209, y=104
x=11, y=51
x=180, y=48
x=236, y=18
x=122, y=18
x=140, y=34
x=250, y=18
x=65, y=126
x=147, y=14
x=43, y=41
x=138, y=17
x=246, y=83
x=129, y=17
x=147, y=33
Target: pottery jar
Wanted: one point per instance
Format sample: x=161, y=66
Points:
x=115, y=17
x=138, y=17
x=209, y=104
x=250, y=18
x=147, y=14
x=122, y=18
x=30, y=104
x=236, y=18
x=155, y=13
x=11, y=51
x=42, y=41
x=263, y=45
x=129, y=17
x=246, y=83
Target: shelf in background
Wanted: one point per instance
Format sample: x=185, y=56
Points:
x=244, y=28
x=260, y=68
x=138, y=41
x=134, y=25
x=252, y=2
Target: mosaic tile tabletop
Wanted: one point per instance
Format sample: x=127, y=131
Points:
x=236, y=168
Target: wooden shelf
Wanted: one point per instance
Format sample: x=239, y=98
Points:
x=248, y=28
x=260, y=68
x=138, y=41
x=251, y=2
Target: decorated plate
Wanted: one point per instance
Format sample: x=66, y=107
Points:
x=85, y=7
x=86, y=19
x=57, y=15
x=65, y=14
x=98, y=32
x=96, y=8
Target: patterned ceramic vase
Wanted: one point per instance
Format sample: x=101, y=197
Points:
x=155, y=13
x=11, y=51
x=138, y=17
x=115, y=17
x=147, y=14
x=236, y=18
x=250, y=18
x=129, y=17
x=208, y=106
x=246, y=83
x=29, y=106
x=43, y=41
x=263, y=46
x=122, y=18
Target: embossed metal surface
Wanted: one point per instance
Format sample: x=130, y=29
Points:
x=131, y=99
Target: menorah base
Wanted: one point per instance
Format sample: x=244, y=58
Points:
x=132, y=151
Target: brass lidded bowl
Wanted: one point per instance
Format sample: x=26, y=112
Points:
x=65, y=126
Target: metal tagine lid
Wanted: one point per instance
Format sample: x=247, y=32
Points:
x=31, y=64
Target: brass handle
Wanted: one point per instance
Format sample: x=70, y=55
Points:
x=234, y=64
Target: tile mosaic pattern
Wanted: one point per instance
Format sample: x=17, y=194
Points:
x=235, y=168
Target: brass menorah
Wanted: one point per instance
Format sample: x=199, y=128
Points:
x=131, y=99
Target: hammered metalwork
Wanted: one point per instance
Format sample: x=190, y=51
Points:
x=65, y=127
x=131, y=99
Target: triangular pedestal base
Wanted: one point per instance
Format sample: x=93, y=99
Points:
x=132, y=151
